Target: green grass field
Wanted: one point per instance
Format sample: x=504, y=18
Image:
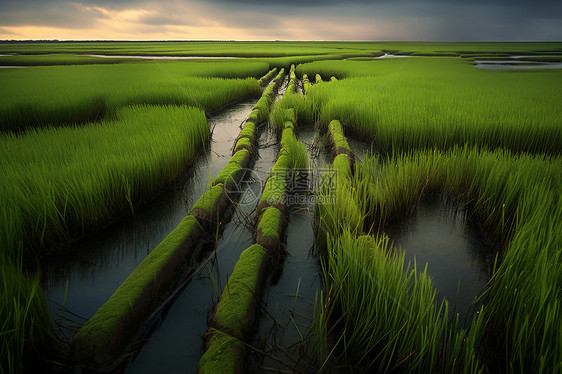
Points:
x=275, y=49
x=400, y=104
x=66, y=95
x=91, y=139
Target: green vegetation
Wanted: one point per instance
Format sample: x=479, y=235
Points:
x=82, y=145
x=60, y=182
x=28, y=339
x=266, y=78
x=293, y=108
x=263, y=106
x=249, y=131
x=305, y=83
x=292, y=156
x=224, y=354
x=207, y=208
x=235, y=314
x=244, y=143
x=235, y=311
x=234, y=170
x=65, y=95
x=402, y=104
x=279, y=49
x=274, y=190
x=292, y=87
x=518, y=324
x=269, y=224
x=389, y=315
x=342, y=166
x=106, y=334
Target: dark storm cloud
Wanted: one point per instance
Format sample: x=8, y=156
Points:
x=452, y=20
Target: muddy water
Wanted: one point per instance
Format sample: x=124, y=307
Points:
x=94, y=268
x=458, y=256
x=176, y=344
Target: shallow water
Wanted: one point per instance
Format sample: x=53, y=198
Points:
x=360, y=148
x=457, y=255
x=163, y=57
x=94, y=268
x=515, y=63
x=176, y=344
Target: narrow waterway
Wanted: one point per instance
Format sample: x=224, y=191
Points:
x=176, y=344
x=85, y=277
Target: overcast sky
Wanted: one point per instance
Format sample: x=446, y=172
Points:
x=425, y=20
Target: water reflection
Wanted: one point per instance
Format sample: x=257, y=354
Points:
x=458, y=256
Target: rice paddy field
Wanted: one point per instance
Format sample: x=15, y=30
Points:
x=419, y=192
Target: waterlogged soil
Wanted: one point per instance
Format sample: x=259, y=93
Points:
x=176, y=342
x=459, y=258
x=84, y=278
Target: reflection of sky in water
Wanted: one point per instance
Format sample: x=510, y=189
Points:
x=96, y=267
x=456, y=253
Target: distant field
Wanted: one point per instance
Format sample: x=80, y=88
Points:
x=275, y=49
x=86, y=140
x=57, y=59
x=419, y=102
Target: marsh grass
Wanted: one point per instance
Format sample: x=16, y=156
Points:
x=26, y=336
x=58, y=59
x=516, y=197
x=305, y=83
x=68, y=95
x=387, y=317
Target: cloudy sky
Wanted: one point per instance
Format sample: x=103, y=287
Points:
x=425, y=20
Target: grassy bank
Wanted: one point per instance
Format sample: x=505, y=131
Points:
x=517, y=200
